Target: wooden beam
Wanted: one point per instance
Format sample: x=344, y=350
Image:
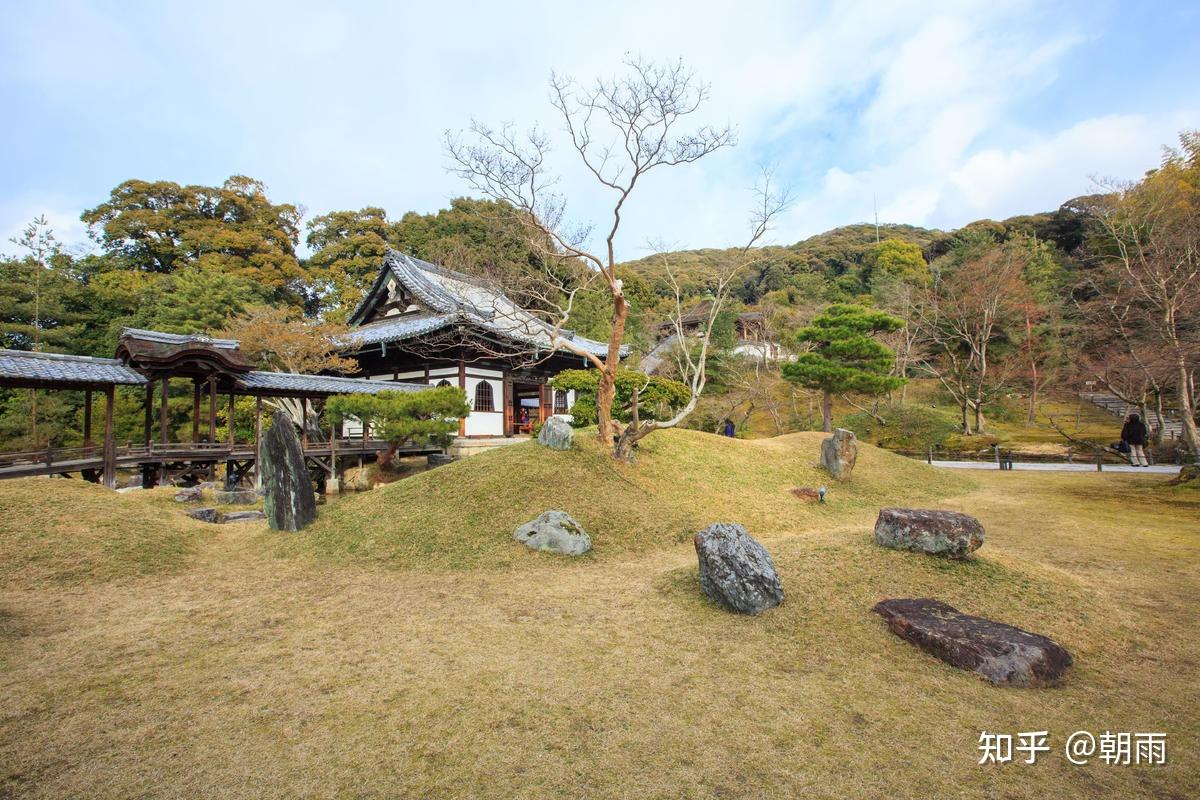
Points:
x=462, y=384
x=212, y=409
x=162, y=411
x=303, y=423
x=231, y=412
x=87, y=417
x=110, y=447
x=257, y=442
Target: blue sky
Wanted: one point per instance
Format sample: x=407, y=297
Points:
x=940, y=113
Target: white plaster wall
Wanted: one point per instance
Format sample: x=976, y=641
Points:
x=486, y=423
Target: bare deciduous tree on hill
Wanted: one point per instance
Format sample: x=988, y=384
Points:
x=621, y=129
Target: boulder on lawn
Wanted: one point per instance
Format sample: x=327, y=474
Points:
x=839, y=453
x=435, y=460
x=242, y=516
x=554, y=532
x=939, y=533
x=235, y=497
x=289, y=501
x=735, y=570
x=556, y=433
x=1001, y=653
x=189, y=494
x=203, y=514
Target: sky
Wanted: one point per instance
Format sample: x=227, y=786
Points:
x=934, y=114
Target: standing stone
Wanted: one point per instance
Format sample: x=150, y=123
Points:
x=1001, y=653
x=938, y=533
x=288, y=502
x=557, y=433
x=554, y=532
x=839, y=452
x=735, y=570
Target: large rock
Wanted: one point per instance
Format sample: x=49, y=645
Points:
x=555, y=532
x=189, y=494
x=735, y=570
x=839, y=453
x=241, y=516
x=940, y=533
x=556, y=433
x=203, y=514
x=1001, y=653
x=288, y=502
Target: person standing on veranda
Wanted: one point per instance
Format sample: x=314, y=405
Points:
x=1134, y=434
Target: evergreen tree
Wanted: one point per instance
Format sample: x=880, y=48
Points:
x=844, y=357
x=430, y=415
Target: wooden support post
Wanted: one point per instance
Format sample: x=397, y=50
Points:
x=333, y=470
x=257, y=442
x=231, y=413
x=195, y=409
x=212, y=410
x=162, y=411
x=110, y=447
x=87, y=417
x=462, y=384
x=303, y=423
x=149, y=413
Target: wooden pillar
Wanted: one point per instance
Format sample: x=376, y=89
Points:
x=212, y=410
x=303, y=423
x=110, y=447
x=231, y=412
x=257, y=442
x=162, y=412
x=509, y=412
x=196, y=410
x=149, y=413
x=87, y=417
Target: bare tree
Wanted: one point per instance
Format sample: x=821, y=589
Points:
x=622, y=129
x=1153, y=270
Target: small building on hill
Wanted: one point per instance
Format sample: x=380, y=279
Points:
x=753, y=337
x=425, y=324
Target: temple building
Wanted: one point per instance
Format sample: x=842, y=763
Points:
x=425, y=324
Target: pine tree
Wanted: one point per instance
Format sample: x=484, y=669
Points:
x=845, y=357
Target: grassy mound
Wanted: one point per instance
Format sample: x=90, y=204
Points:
x=462, y=516
x=71, y=531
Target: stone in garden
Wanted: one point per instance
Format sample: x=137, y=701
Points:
x=1001, y=653
x=235, y=497
x=839, y=453
x=554, y=532
x=203, y=514
x=438, y=460
x=289, y=502
x=940, y=533
x=189, y=494
x=557, y=433
x=241, y=516
x=211, y=486
x=735, y=570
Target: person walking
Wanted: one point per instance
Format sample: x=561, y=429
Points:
x=1134, y=435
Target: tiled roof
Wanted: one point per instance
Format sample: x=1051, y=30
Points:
x=22, y=365
x=394, y=329
x=472, y=300
x=320, y=384
x=177, y=338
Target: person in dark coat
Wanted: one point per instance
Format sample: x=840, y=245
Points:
x=1135, y=436
x=730, y=429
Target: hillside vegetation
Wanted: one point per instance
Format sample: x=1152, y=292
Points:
x=462, y=516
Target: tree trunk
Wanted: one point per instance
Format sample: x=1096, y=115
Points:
x=978, y=416
x=1186, y=411
x=606, y=391
x=827, y=412
x=963, y=406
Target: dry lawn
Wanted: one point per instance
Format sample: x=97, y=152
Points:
x=242, y=668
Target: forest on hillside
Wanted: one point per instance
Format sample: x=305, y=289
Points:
x=1025, y=305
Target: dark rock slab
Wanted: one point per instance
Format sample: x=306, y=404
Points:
x=241, y=516
x=203, y=514
x=839, y=453
x=940, y=533
x=1001, y=653
x=735, y=570
x=190, y=494
x=434, y=460
x=289, y=502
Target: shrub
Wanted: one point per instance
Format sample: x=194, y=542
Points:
x=906, y=428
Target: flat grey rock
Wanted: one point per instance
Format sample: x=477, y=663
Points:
x=941, y=533
x=241, y=516
x=203, y=514
x=735, y=570
x=235, y=497
x=1001, y=653
x=554, y=532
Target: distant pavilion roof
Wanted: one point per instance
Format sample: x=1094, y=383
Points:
x=291, y=384
x=26, y=370
x=454, y=298
x=177, y=354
